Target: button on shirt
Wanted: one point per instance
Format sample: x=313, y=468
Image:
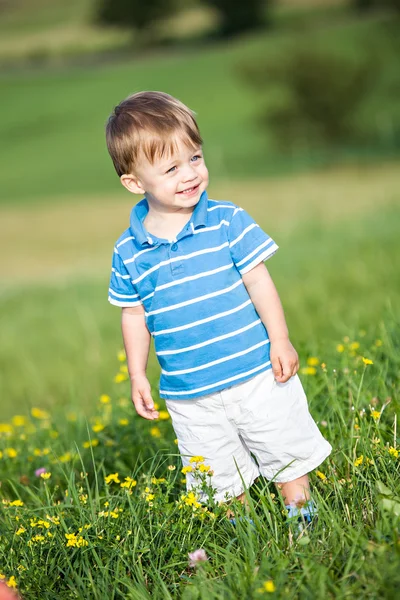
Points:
x=208, y=335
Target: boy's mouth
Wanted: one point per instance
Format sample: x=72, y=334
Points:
x=189, y=191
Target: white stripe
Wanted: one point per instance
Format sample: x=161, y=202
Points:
x=202, y=321
x=238, y=209
x=217, y=383
x=125, y=304
x=268, y=241
x=249, y=228
x=220, y=206
x=267, y=254
x=212, y=341
x=130, y=260
x=195, y=300
x=119, y=274
x=123, y=295
x=211, y=228
x=189, y=278
x=216, y=362
x=125, y=240
x=179, y=258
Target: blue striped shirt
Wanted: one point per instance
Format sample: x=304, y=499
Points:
x=207, y=333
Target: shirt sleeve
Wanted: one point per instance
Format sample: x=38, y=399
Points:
x=121, y=291
x=248, y=243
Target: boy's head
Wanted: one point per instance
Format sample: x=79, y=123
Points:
x=156, y=147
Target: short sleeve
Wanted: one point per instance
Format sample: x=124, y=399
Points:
x=248, y=243
x=121, y=291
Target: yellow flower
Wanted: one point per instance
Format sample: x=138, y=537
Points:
x=393, y=451
x=354, y=345
x=98, y=427
x=323, y=366
x=163, y=415
x=320, y=475
x=20, y=531
x=123, y=422
x=19, y=421
x=83, y=498
x=90, y=443
x=45, y=475
x=54, y=434
x=171, y=467
x=359, y=461
x=72, y=417
x=346, y=339
x=155, y=432
x=123, y=402
x=129, y=483
x=197, y=459
x=120, y=377
x=268, y=586
x=66, y=457
x=6, y=428
x=204, y=468
x=340, y=348
x=308, y=371
x=378, y=343
x=367, y=361
x=104, y=399
x=150, y=497
x=16, y=503
x=156, y=481
x=121, y=355
x=37, y=452
x=123, y=369
x=11, y=583
x=313, y=361
x=176, y=441
x=187, y=469
x=112, y=477
x=11, y=452
x=38, y=413
x=375, y=414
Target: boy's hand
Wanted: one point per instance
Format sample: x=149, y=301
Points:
x=141, y=398
x=284, y=359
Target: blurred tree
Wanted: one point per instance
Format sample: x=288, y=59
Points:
x=240, y=15
x=137, y=14
x=364, y=5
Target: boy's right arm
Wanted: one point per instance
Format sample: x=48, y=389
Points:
x=137, y=345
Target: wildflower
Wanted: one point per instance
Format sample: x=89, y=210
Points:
x=171, y=467
x=40, y=472
x=359, y=461
x=19, y=421
x=354, y=346
x=367, y=361
x=129, y=483
x=268, y=586
x=176, y=441
x=20, y=531
x=112, y=477
x=66, y=457
x=98, y=427
x=90, y=443
x=121, y=355
x=124, y=369
x=196, y=557
x=375, y=414
x=45, y=475
x=11, y=452
x=6, y=428
x=204, y=468
x=191, y=500
x=308, y=371
x=320, y=475
x=155, y=432
x=313, y=361
x=38, y=413
x=340, y=348
x=120, y=377
x=123, y=402
x=75, y=541
x=11, y=583
x=104, y=399
x=149, y=497
x=323, y=366
x=71, y=416
x=378, y=343
x=375, y=440
x=197, y=459
x=83, y=498
x=163, y=415
x=16, y=503
x=123, y=422
x=393, y=451
x=187, y=469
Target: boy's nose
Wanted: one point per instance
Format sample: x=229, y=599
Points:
x=189, y=175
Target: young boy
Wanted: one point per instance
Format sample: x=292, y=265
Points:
x=189, y=272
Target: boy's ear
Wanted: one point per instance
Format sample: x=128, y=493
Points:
x=132, y=184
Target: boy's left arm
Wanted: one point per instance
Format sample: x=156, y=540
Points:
x=263, y=294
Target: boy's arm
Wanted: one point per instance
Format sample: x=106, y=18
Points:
x=137, y=345
x=263, y=294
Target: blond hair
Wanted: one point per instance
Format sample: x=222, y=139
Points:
x=148, y=124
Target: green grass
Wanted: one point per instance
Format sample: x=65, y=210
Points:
x=54, y=129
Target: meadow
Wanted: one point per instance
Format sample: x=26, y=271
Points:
x=93, y=501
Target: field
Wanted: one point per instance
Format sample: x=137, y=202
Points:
x=94, y=505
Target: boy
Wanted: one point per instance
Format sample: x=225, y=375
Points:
x=189, y=271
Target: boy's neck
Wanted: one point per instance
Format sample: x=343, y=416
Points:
x=166, y=225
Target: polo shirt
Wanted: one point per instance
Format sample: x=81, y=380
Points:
x=207, y=333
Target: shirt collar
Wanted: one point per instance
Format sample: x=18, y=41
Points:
x=140, y=210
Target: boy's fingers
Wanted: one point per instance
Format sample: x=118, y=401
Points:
x=276, y=367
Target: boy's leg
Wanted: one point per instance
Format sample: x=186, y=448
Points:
x=296, y=492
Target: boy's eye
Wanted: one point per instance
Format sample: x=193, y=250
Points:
x=195, y=157
x=171, y=170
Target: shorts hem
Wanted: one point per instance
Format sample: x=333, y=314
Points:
x=290, y=474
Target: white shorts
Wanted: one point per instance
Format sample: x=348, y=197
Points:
x=261, y=417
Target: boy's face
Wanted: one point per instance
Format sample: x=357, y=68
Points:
x=173, y=183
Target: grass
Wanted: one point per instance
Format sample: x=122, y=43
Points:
x=56, y=148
